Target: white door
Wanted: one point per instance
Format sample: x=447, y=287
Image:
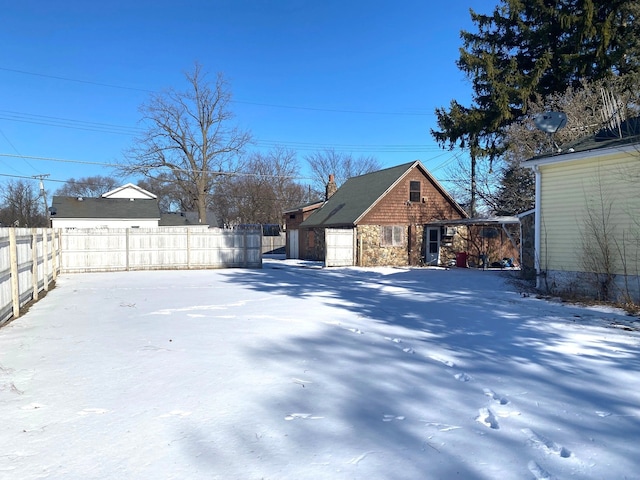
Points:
x=339, y=247
x=432, y=246
x=294, y=245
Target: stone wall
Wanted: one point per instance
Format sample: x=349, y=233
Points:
x=372, y=254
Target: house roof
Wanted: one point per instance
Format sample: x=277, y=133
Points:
x=359, y=194
x=79, y=207
x=305, y=207
x=626, y=137
x=129, y=190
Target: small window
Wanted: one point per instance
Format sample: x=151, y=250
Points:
x=414, y=191
x=292, y=216
x=392, y=236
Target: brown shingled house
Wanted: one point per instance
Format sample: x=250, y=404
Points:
x=376, y=219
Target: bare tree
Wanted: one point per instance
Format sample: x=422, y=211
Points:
x=586, y=115
x=88, y=186
x=22, y=205
x=170, y=197
x=262, y=191
x=189, y=137
x=341, y=165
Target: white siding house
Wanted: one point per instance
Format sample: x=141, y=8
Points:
x=128, y=206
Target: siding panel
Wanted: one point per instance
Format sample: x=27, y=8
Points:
x=570, y=191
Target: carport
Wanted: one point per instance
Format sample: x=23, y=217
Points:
x=474, y=242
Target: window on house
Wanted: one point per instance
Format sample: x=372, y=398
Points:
x=392, y=236
x=414, y=191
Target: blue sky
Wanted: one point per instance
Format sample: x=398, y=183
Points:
x=363, y=77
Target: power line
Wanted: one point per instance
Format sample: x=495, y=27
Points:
x=67, y=79
x=244, y=102
x=334, y=110
x=67, y=123
x=16, y=150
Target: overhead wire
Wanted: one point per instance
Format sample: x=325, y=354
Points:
x=61, y=122
x=271, y=105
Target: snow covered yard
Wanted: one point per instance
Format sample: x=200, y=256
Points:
x=296, y=372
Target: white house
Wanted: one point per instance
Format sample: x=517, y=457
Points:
x=128, y=206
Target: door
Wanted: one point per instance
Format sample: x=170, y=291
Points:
x=294, y=244
x=339, y=247
x=432, y=246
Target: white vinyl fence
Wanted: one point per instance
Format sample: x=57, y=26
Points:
x=29, y=263
x=30, y=259
x=163, y=248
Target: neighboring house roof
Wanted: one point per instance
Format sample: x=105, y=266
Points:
x=305, y=207
x=359, y=194
x=107, y=208
x=212, y=219
x=626, y=137
x=129, y=190
x=174, y=219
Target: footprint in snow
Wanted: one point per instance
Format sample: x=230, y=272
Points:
x=301, y=416
x=176, y=413
x=487, y=418
x=33, y=406
x=494, y=396
x=549, y=446
x=444, y=361
x=463, y=377
x=398, y=341
x=391, y=418
x=97, y=411
x=538, y=472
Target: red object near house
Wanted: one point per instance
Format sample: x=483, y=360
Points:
x=461, y=259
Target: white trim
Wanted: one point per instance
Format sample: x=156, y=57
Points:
x=536, y=227
x=582, y=155
x=120, y=192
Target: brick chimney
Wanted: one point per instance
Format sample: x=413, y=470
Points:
x=331, y=187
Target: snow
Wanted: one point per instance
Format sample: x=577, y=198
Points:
x=299, y=372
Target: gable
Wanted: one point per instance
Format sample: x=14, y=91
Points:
x=359, y=196
x=129, y=191
x=415, y=199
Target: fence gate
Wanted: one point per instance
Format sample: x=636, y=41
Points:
x=339, y=247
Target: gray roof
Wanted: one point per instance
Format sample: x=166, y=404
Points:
x=82, y=207
x=304, y=206
x=628, y=134
x=358, y=194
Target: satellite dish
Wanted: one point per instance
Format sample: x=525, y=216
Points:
x=550, y=122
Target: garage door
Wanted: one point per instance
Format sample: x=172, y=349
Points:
x=340, y=247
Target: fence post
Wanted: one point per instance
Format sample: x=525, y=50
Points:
x=188, y=247
x=13, y=259
x=45, y=258
x=34, y=263
x=55, y=252
x=126, y=253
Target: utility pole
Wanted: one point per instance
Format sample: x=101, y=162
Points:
x=43, y=193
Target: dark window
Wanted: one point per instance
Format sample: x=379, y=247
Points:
x=292, y=216
x=414, y=191
x=392, y=236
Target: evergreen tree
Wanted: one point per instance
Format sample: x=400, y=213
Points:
x=524, y=50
